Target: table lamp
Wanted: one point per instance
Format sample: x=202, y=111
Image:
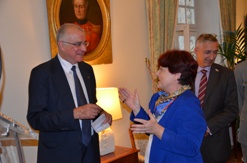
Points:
x=108, y=99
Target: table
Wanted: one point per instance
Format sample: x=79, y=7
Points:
x=121, y=155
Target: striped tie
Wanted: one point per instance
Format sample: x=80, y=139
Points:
x=202, y=86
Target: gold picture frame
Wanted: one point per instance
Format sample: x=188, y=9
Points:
x=102, y=54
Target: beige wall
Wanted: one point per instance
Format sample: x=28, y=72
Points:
x=241, y=11
x=208, y=22
x=24, y=41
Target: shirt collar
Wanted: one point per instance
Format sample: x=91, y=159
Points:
x=206, y=68
x=65, y=64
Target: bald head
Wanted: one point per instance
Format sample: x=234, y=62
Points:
x=63, y=30
x=71, y=42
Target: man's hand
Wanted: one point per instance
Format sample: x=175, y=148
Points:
x=88, y=111
x=108, y=117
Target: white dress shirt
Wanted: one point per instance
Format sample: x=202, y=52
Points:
x=69, y=75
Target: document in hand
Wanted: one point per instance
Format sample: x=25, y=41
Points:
x=98, y=123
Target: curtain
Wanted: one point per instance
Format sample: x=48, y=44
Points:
x=228, y=14
x=228, y=25
x=162, y=18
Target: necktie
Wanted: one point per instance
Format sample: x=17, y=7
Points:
x=81, y=100
x=202, y=86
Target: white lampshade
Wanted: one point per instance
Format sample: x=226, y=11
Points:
x=108, y=99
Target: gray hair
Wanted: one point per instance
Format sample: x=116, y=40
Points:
x=206, y=37
x=63, y=29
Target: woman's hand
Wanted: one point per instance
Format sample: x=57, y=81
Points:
x=150, y=126
x=130, y=99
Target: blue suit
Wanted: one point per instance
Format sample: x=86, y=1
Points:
x=50, y=111
x=185, y=127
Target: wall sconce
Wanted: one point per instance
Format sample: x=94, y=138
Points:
x=108, y=99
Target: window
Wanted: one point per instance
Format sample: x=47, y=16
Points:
x=186, y=12
x=186, y=25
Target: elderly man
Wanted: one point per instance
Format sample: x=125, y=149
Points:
x=62, y=97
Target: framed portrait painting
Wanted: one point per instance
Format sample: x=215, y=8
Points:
x=91, y=15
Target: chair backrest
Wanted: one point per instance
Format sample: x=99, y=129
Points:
x=139, y=141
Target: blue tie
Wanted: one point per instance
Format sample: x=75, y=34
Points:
x=81, y=100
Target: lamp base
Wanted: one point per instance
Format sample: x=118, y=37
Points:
x=106, y=141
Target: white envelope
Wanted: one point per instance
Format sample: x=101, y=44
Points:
x=98, y=123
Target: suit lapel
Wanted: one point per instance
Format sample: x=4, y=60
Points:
x=212, y=80
x=60, y=80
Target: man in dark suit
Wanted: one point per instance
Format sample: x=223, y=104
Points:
x=220, y=103
x=53, y=108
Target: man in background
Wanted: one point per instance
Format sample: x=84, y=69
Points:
x=92, y=31
x=56, y=108
x=219, y=100
x=241, y=79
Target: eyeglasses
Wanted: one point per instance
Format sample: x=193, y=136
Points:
x=77, y=44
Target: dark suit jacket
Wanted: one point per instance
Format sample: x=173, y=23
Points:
x=220, y=109
x=50, y=111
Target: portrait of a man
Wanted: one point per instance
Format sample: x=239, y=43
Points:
x=91, y=15
x=82, y=9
